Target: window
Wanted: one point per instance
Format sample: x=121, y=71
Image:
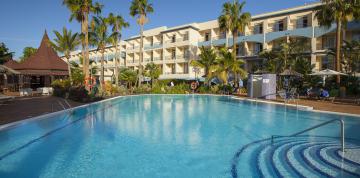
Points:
x=302, y=22
x=328, y=62
x=305, y=21
x=173, y=39
x=186, y=52
x=152, y=55
x=328, y=42
x=258, y=48
x=258, y=29
x=186, y=68
x=207, y=36
x=173, y=54
x=186, y=36
x=279, y=26
x=173, y=69
x=223, y=35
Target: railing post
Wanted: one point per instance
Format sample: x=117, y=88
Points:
x=342, y=136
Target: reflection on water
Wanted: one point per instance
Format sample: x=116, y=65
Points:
x=153, y=136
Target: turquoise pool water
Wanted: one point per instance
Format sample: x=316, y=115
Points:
x=178, y=136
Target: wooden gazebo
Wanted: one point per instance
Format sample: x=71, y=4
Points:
x=40, y=69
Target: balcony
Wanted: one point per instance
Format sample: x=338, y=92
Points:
x=178, y=57
x=204, y=43
x=304, y=32
x=218, y=40
x=153, y=46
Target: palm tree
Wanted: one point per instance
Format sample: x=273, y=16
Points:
x=118, y=23
x=65, y=43
x=129, y=76
x=5, y=55
x=351, y=51
x=234, y=19
x=285, y=56
x=100, y=37
x=226, y=65
x=339, y=12
x=80, y=10
x=153, y=71
x=141, y=8
x=207, y=59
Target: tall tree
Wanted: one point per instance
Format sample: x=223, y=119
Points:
x=207, y=59
x=5, y=54
x=100, y=37
x=339, y=12
x=153, y=71
x=140, y=9
x=226, y=65
x=80, y=11
x=285, y=56
x=65, y=43
x=118, y=23
x=27, y=52
x=351, y=61
x=234, y=19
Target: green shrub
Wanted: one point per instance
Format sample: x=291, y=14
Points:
x=61, y=87
x=79, y=93
x=204, y=89
x=334, y=93
x=142, y=89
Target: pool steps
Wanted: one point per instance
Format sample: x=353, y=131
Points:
x=300, y=157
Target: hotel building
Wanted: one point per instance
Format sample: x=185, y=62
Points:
x=173, y=48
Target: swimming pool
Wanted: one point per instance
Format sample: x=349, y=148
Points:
x=179, y=136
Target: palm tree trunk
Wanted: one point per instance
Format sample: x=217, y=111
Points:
x=116, y=65
x=69, y=69
x=86, y=58
x=235, y=33
x=102, y=81
x=141, y=54
x=338, y=46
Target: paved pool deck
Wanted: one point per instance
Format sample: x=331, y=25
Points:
x=25, y=107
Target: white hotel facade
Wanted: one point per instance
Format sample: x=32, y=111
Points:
x=173, y=48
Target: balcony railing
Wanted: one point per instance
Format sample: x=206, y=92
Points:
x=178, y=57
x=185, y=38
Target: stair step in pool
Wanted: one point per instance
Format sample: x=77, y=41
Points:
x=300, y=157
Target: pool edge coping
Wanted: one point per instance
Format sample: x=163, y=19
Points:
x=301, y=107
x=43, y=116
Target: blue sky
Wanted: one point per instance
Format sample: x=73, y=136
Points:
x=23, y=21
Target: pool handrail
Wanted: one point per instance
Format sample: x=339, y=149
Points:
x=342, y=132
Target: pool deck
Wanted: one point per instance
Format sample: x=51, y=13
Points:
x=321, y=105
x=26, y=107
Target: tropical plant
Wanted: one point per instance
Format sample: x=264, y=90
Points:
x=227, y=65
x=5, y=54
x=140, y=9
x=284, y=57
x=153, y=71
x=80, y=11
x=27, y=52
x=77, y=75
x=207, y=58
x=351, y=50
x=100, y=37
x=234, y=19
x=339, y=12
x=65, y=43
x=118, y=23
x=128, y=76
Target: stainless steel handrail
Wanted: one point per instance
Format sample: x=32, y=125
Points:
x=342, y=132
